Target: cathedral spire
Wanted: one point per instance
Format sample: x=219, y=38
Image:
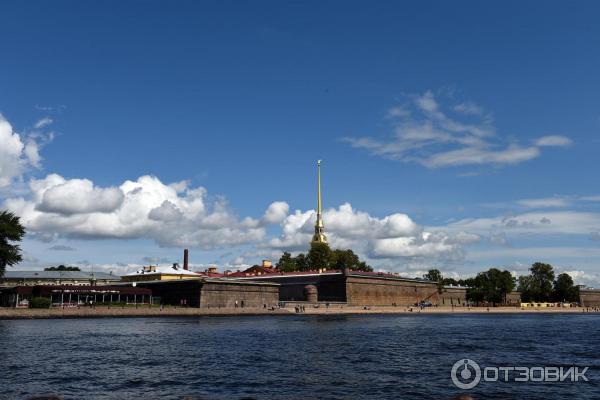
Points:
x=319, y=236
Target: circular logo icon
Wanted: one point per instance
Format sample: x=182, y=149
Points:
x=465, y=374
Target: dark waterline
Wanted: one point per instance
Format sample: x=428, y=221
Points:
x=299, y=357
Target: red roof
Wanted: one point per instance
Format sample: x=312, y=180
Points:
x=275, y=272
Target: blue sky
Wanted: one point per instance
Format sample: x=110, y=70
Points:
x=464, y=135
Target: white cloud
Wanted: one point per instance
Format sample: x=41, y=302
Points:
x=499, y=238
x=17, y=153
x=43, y=122
x=425, y=134
x=548, y=202
x=60, y=247
x=590, y=198
x=394, y=236
x=167, y=212
x=75, y=196
x=553, y=141
x=584, y=278
x=276, y=212
x=513, y=154
x=468, y=108
x=554, y=222
x=171, y=215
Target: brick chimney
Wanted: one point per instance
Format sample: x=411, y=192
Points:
x=185, y=259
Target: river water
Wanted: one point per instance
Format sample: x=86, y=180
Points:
x=293, y=357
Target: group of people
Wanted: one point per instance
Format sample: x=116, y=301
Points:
x=300, y=309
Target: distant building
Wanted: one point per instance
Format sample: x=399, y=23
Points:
x=31, y=278
x=210, y=272
x=256, y=270
x=156, y=273
x=163, y=273
x=74, y=295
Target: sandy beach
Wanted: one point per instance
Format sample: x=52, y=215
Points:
x=118, y=312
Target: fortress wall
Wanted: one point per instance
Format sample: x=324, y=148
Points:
x=371, y=291
x=225, y=294
x=589, y=297
x=453, y=296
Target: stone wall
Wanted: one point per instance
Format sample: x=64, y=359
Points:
x=176, y=292
x=223, y=294
x=453, y=296
x=589, y=297
x=213, y=293
x=513, y=299
x=383, y=291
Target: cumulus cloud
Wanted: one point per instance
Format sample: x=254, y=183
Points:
x=425, y=134
x=584, y=278
x=276, y=212
x=18, y=152
x=167, y=211
x=75, y=196
x=171, y=214
x=394, y=236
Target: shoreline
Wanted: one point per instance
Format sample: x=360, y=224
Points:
x=131, y=312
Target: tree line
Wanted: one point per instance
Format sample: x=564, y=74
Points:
x=493, y=285
x=320, y=256
x=62, y=268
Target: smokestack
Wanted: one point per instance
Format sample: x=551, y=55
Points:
x=185, y=259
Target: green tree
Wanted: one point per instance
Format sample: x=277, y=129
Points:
x=318, y=255
x=538, y=285
x=565, y=290
x=286, y=263
x=525, y=288
x=491, y=286
x=301, y=262
x=11, y=232
x=450, y=281
x=433, y=275
x=341, y=259
x=62, y=268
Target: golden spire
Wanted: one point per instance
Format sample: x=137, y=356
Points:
x=319, y=236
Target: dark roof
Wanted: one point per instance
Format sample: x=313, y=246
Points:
x=80, y=275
